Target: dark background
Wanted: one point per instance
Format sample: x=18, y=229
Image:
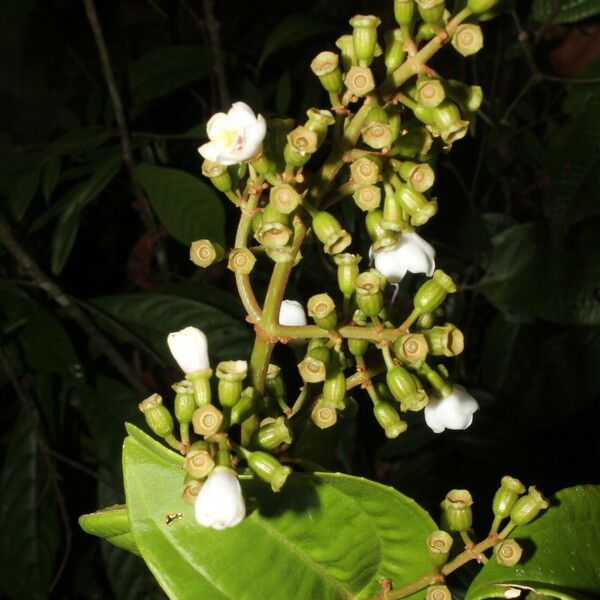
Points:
x=518, y=229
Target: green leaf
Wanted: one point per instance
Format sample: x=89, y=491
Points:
x=283, y=95
x=163, y=70
x=112, y=524
x=186, y=206
x=568, y=11
x=24, y=188
x=327, y=536
x=291, y=30
x=561, y=550
x=50, y=176
x=78, y=198
x=154, y=316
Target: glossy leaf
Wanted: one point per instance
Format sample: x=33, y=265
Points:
x=186, y=206
x=340, y=533
x=569, y=11
x=112, y=524
x=561, y=550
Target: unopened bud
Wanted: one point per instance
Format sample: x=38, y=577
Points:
x=274, y=382
x=157, y=417
x=302, y=143
x=439, y=544
x=319, y=121
x=313, y=367
x=358, y=347
x=326, y=67
x=413, y=142
x=394, y=50
x=508, y=552
x=346, y=46
x=230, y=374
x=283, y=254
x=415, y=204
x=323, y=416
x=334, y=388
x=449, y=122
x=468, y=97
x=347, y=271
x=365, y=170
x=273, y=235
x=506, y=497
x=411, y=347
x=241, y=261
x=205, y=253
x=404, y=389
x=431, y=11
x=200, y=381
x=330, y=233
x=367, y=197
x=433, y=292
x=404, y=11
x=445, y=340
x=528, y=507
x=419, y=176
x=389, y=419
x=457, y=510
x=481, y=6
x=467, y=39
x=246, y=406
x=430, y=92
x=184, y=404
x=377, y=135
x=364, y=37
x=322, y=309
x=207, y=420
x=218, y=174
x=271, y=434
x=393, y=213
x=269, y=469
x=191, y=491
x=284, y=198
x=369, y=296
x=438, y=592
x=199, y=463
x=360, y=81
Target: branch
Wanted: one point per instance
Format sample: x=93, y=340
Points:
x=216, y=51
x=42, y=281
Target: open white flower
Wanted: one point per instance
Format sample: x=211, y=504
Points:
x=189, y=348
x=412, y=253
x=452, y=412
x=234, y=137
x=292, y=313
x=220, y=503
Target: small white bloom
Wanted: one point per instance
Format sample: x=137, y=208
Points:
x=292, y=313
x=220, y=503
x=452, y=412
x=189, y=348
x=234, y=137
x=412, y=253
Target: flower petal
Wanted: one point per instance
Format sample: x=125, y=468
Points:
x=241, y=114
x=218, y=124
x=292, y=313
x=210, y=151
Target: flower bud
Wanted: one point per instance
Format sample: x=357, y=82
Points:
x=157, y=417
x=365, y=170
x=394, y=50
x=207, y=420
x=319, y=121
x=346, y=46
x=364, y=37
x=323, y=416
x=444, y=390
x=404, y=389
x=270, y=214
x=425, y=32
x=273, y=235
x=426, y=320
x=528, y=507
x=404, y=11
x=326, y=67
x=246, y=406
x=292, y=314
x=393, y=213
x=415, y=204
x=367, y=197
x=230, y=374
x=389, y=419
x=347, y=271
x=313, y=367
x=358, y=347
x=241, y=261
x=413, y=142
x=284, y=198
x=448, y=121
x=481, y=6
x=274, y=383
x=457, y=510
x=322, y=309
x=264, y=165
x=330, y=233
x=200, y=381
x=506, y=496
x=377, y=135
x=302, y=143
x=430, y=92
x=439, y=544
x=271, y=434
x=220, y=503
x=445, y=340
x=508, y=552
x=204, y=253
x=198, y=463
x=467, y=39
x=269, y=469
x=189, y=348
x=431, y=11
x=468, y=97
x=368, y=294
x=191, y=491
x=411, y=347
x=184, y=404
x=433, y=292
x=438, y=592
x=218, y=174
x=360, y=81
x=334, y=388
x=419, y=176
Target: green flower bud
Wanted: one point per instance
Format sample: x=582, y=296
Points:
x=218, y=174
x=364, y=37
x=377, y=135
x=433, y=292
x=413, y=142
x=302, y=144
x=425, y=32
x=191, y=491
x=263, y=165
x=360, y=81
x=273, y=235
x=393, y=212
x=448, y=121
x=430, y=92
x=468, y=97
x=269, y=469
x=313, y=367
x=323, y=416
x=200, y=381
x=415, y=204
x=334, y=388
x=230, y=374
x=346, y=46
x=368, y=294
x=282, y=254
x=207, y=420
x=411, y=347
x=426, y=321
x=438, y=592
x=404, y=11
x=457, y=510
x=366, y=170
x=394, y=50
x=246, y=406
x=358, y=347
x=322, y=309
x=330, y=233
x=435, y=380
x=204, y=253
x=528, y=507
x=419, y=176
x=319, y=121
x=284, y=198
x=439, y=544
x=157, y=417
x=274, y=382
x=376, y=115
x=241, y=261
x=394, y=121
x=404, y=389
x=389, y=419
x=326, y=67
x=445, y=340
x=431, y=11
x=367, y=197
x=508, y=552
x=184, y=405
x=481, y=6
x=507, y=496
x=271, y=434
x=198, y=463
x=467, y=39
x=347, y=271
x=272, y=215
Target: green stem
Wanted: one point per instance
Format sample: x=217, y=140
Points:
x=360, y=363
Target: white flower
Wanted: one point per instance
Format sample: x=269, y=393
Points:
x=220, y=503
x=235, y=136
x=453, y=412
x=189, y=348
x=292, y=313
x=412, y=253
